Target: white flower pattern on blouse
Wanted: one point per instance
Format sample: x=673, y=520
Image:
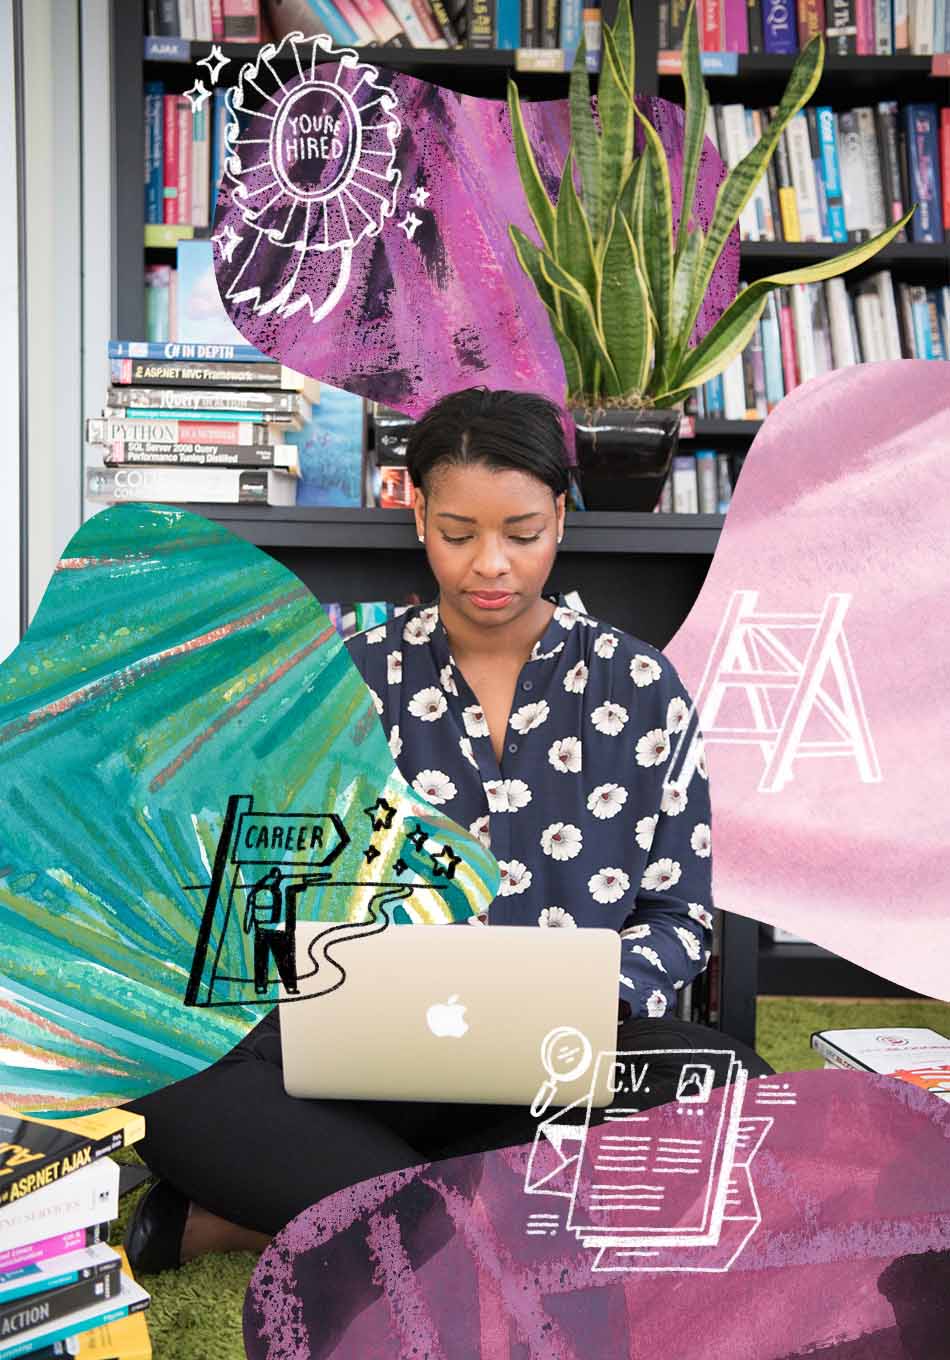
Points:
x=576, y=811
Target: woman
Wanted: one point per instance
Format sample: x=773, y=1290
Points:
x=545, y=732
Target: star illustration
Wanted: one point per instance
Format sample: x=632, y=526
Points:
x=451, y=859
x=370, y=853
x=385, y=820
x=410, y=225
x=198, y=95
x=420, y=196
x=418, y=836
x=400, y=866
x=215, y=62
x=227, y=239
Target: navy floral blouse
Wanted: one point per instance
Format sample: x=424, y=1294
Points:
x=577, y=815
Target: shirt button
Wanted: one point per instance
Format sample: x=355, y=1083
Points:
x=513, y=747
x=527, y=685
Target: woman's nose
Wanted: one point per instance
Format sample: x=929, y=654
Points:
x=491, y=558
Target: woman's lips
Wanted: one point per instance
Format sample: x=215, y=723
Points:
x=490, y=599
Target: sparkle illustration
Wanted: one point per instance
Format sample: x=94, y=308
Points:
x=420, y=196
x=227, y=240
x=215, y=62
x=410, y=224
x=198, y=95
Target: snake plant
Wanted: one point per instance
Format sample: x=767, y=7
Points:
x=622, y=288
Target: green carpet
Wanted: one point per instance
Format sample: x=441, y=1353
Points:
x=196, y=1311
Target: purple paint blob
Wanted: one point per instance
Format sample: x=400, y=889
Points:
x=853, y=1185
x=414, y=186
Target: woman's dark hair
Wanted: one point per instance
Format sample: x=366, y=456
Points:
x=517, y=431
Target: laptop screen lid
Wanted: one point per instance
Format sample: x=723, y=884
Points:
x=447, y=1013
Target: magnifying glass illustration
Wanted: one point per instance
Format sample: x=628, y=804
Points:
x=565, y=1055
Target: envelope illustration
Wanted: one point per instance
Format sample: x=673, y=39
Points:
x=556, y=1153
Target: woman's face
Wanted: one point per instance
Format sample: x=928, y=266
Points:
x=491, y=537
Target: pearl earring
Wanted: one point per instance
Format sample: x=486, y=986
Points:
x=421, y=537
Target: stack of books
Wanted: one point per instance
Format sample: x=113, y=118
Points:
x=63, y=1290
x=843, y=176
x=860, y=28
x=812, y=328
x=918, y=1056
x=198, y=422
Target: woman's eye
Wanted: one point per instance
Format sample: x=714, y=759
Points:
x=533, y=539
x=456, y=540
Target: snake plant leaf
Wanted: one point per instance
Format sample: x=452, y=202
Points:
x=694, y=131
x=655, y=230
x=618, y=122
x=625, y=309
x=624, y=43
x=737, y=189
x=572, y=289
x=684, y=278
x=574, y=244
x=585, y=141
x=539, y=205
x=735, y=327
x=529, y=257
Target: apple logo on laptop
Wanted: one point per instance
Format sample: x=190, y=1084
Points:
x=445, y=1019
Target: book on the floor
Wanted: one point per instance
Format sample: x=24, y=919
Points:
x=78, y=1201
x=35, y=1295
x=918, y=1056
x=131, y=1298
x=36, y=1152
x=124, y=1338
x=211, y=485
x=58, y=1245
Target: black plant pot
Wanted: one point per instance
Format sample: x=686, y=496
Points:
x=624, y=455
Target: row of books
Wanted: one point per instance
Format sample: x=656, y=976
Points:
x=63, y=1289
x=783, y=27
x=553, y=26
x=700, y=483
x=843, y=175
x=810, y=329
x=184, y=156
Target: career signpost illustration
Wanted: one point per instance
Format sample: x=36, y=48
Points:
x=651, y=1189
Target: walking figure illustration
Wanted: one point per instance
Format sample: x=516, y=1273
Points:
x=271, y=914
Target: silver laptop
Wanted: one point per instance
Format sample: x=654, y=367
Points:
x=453, y=1013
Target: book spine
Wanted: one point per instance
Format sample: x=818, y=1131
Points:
x=569, y=33
x=203, y=29
x=920, y=123
x=550, y=26
x=790, y=373
x=140, y=349
x=107, y=431
x=707, y=492
x=890, y=162
x=836, y=297
x=864, y=19
x=427, y=24
x=685, y=498
x=760, y=196
x=922, y=28
x=841, y=31
x=901, y=26
x=853, y=188
x=831, y=172
x=945, y=165
x=733, y=390
x=815, y=150
x=803, y=178
x=481, y=24
x=275, y=403
x=215, y=486
x=921, y=322
x=31, y=1253
x=284, y=456
x=201, y=165
x=79, y=1200
x=332, y=22
x=781, y=30
x=723, y=483
x=20, y=1316
x=154, y=156
x=185, y=139
x=186, y=20
x=196, y=373
x=758, y=408
x=772, y=354
x=444, y=20
x=755, y=27
x=165, y=19
x=788, y=200
x=217, y=21
x=804, y=335
x=530, y=28
x=356, y=22
x=386, y=27
x=219, y=140
x=241, y=20
x=735, y=26
x=936, y=338
x=883, y=28
x=170, y=159
x=593, y=32
x=835, y=1056
x=811, y=20
x=873, y=174
x=884, y=286
x=711, y=34
x=508, y=24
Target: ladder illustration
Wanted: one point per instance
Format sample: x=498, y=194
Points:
x=748, y=654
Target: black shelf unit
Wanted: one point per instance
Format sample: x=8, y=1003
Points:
x=808, y=970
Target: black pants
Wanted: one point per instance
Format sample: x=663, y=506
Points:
x=233, y=1141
